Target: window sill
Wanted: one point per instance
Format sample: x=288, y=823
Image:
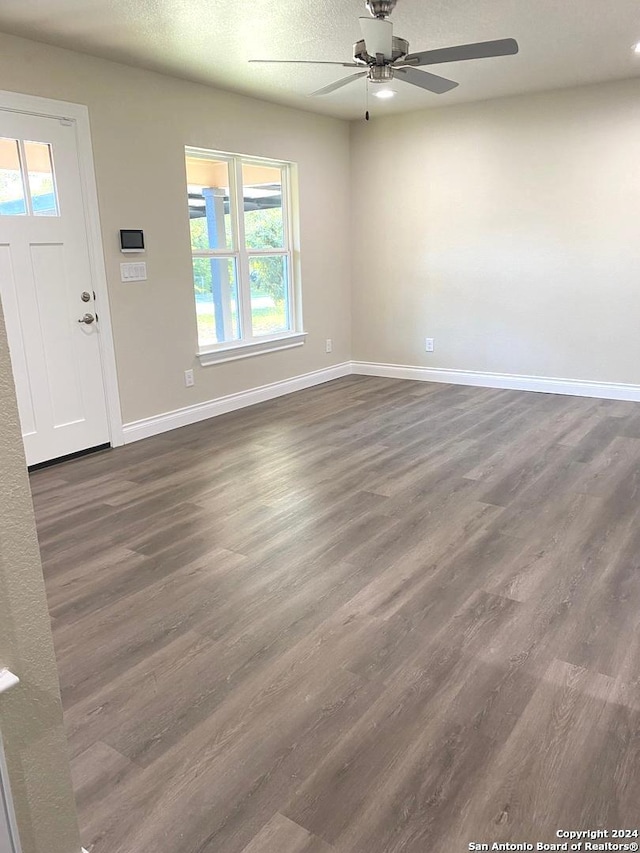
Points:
x=232, y=352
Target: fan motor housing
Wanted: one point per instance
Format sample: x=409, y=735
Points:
x=400, y=49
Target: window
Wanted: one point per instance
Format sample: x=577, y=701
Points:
x=27, y=183
x=242, y=248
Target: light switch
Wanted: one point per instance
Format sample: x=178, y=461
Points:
x=133, y=272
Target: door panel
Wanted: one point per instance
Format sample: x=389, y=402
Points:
x=58, y=335
x=44, y=269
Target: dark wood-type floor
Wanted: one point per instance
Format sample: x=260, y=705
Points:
x=372, y=617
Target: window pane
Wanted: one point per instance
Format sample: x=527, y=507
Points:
x=12, y=201
x=268, y=275
x=209, y=214
x=263, y=222
x=42, y=186
x=216, y=291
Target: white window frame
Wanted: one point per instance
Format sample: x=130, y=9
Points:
x=249, y=344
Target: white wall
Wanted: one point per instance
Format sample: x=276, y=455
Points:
x=506, y=230
x=140, y=123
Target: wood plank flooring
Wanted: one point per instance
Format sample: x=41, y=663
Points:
x=371, y=617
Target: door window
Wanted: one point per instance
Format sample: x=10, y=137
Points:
x=27, y=179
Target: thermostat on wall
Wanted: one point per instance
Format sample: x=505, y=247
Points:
x=132, y=240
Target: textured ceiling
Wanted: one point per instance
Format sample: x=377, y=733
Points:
x=562, y=43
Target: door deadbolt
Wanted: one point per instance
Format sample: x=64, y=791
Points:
x=85, y=296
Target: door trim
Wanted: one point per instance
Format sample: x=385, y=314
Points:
x=79, y=113
x=8, y=823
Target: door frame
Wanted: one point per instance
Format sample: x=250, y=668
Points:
x=79, y=115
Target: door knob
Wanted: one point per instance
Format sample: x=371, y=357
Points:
x=87, y=318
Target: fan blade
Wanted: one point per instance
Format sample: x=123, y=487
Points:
x=339, y=84
x=431, y=82
x=307, y=62
x=461, y=52
x=378, y=36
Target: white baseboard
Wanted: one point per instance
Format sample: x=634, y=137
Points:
x=147, y=427
x=157, y=424
x=547, y=385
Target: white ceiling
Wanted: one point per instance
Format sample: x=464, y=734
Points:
x=562, y=43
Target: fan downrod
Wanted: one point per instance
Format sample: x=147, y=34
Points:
x=381, y=8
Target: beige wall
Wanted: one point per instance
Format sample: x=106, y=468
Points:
x=140, y=123
x=507, y=231
x=30, y=714
x=504, y=230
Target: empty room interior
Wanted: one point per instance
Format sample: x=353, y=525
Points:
x=319, y=426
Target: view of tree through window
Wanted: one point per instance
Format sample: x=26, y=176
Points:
x=239, y=240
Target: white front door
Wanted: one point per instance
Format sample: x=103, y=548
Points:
x=47, y=290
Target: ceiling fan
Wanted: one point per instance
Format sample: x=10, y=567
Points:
x=384, y=56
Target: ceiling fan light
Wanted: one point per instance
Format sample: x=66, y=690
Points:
x=636, y=47
x=384, y=94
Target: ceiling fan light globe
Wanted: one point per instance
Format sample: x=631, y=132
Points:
x=385, y=94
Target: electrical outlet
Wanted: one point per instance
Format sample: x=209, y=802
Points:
x=428, y=344
x=188, y=378
x=329, y=345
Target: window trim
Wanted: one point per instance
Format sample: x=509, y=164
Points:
x=243, y=349
x=251, y=345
